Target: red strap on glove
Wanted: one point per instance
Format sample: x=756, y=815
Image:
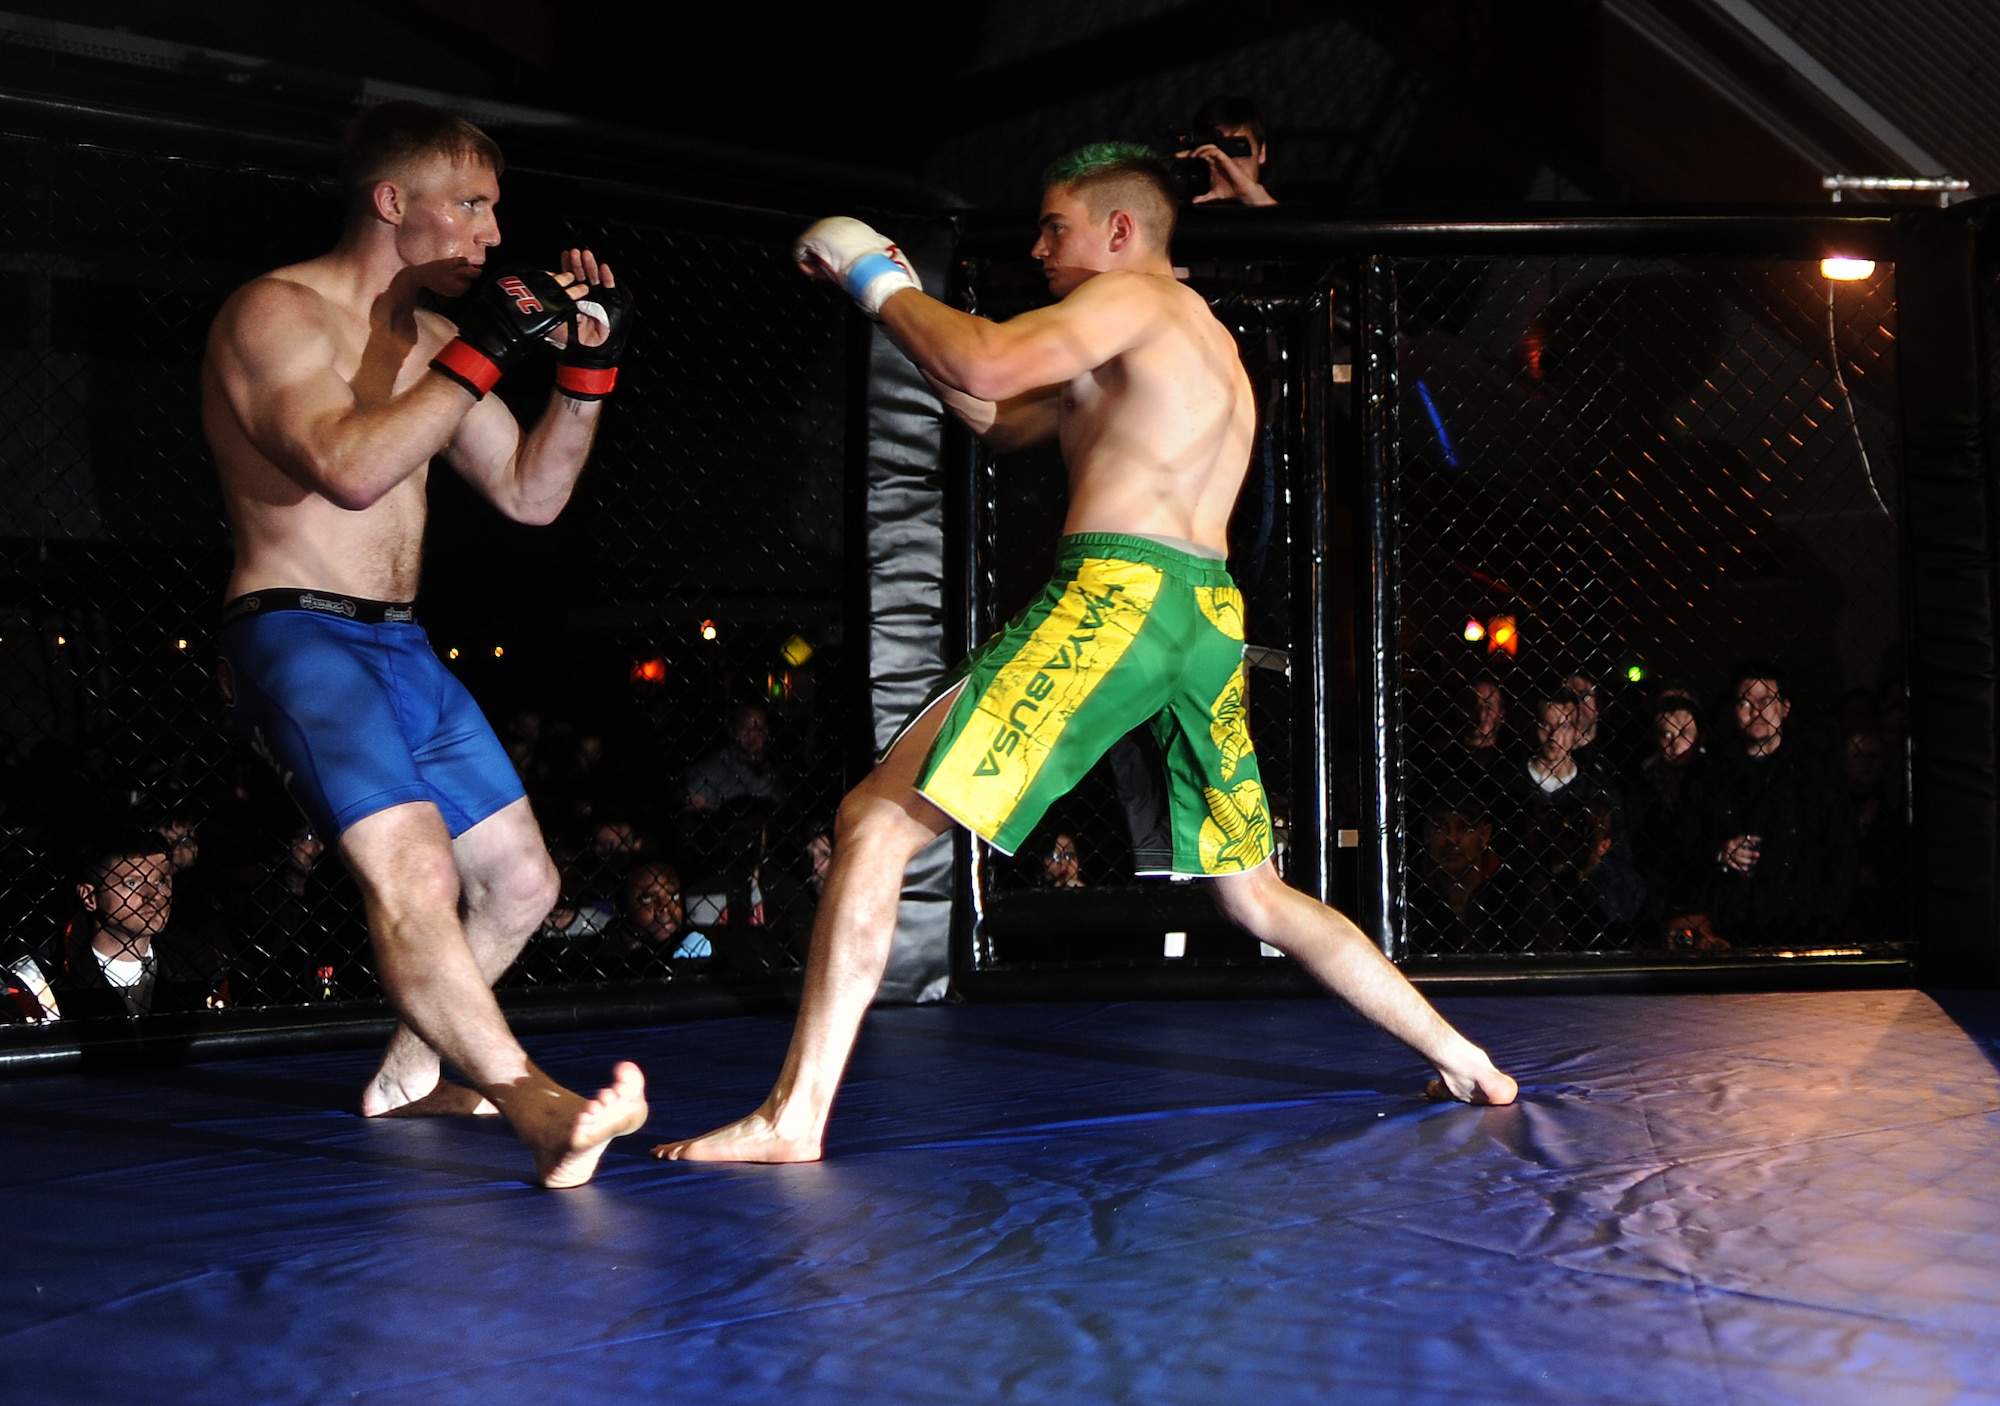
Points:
x=467, y=365
x=586, y=382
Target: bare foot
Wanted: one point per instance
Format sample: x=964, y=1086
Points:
x=445, y=1101
x=566, y=1155
x=752, y=1139
x=1486, y=1086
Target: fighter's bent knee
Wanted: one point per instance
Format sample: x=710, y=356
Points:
x=420, y=884
x=531, y=887
x=1245, y=899
x=877, y=818
x=542, y=895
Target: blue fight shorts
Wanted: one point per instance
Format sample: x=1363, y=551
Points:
x=347, y=700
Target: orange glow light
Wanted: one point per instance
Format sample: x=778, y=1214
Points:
x=1502, y=637
x=1845, y=269
x=708, y=629
x=650, y=671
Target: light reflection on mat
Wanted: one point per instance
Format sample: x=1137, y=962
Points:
x=1698, y=1199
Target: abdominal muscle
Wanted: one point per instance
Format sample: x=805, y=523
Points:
x=295, y=538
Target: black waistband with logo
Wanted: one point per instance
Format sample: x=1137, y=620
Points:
x=365, y=612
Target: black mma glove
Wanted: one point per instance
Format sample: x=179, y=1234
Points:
x=586, y=372
x=499, y=322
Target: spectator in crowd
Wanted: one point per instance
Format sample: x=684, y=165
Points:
x=1233, y=180
x=1061, y=866
x=593, y=871
x=1583, y=891
x=652, y=924
x=1467, y=897
x=617, y=841
x=301, y=861
x=1568, y=825
x=740, y=771
x=1779, y=833
x=1554, y=765
x=1664, y=806
x=122, y=957
x=183, y=847
x=1483, y=712
x=1557, y=768
x=196, y=900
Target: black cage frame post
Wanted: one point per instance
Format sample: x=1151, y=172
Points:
x=1362, y=446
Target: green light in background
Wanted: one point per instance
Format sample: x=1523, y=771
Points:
x=1635, y=673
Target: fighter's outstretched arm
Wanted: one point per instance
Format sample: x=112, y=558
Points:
x=1006, y=425
x=272, y=353
x=530, y=477
x=1048, y=347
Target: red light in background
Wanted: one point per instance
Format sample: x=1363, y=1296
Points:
x=1532, y=351
x=650, y=671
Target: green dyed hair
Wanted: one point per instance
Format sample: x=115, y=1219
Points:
x=1126, y=176
x=1097, y=159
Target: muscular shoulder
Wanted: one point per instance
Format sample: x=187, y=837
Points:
x=1127, y=291
x=1145, y=303
x=271, y=313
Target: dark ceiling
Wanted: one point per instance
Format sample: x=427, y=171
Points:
x=1425, y=102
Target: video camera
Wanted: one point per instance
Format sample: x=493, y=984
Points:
x=1191, y=177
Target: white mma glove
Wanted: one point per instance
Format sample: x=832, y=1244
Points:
x=867, y=263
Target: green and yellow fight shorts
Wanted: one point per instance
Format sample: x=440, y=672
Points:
x=1128, y=631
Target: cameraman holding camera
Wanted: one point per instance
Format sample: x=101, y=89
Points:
x=1229, y=136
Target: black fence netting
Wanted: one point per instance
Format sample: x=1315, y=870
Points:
x=659, y=663
x=1624, y=533
x=1644, y=599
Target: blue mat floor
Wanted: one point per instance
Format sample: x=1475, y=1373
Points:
x=1728, y=1199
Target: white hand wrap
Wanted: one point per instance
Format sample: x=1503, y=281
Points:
x=584, y=309
x=867, y=263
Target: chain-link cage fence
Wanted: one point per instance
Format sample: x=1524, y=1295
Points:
x=1626, y=531
x=659, y=663
x=1645, y=595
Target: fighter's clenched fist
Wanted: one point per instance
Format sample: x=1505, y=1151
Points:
x=499, y=322
x=861, y=259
